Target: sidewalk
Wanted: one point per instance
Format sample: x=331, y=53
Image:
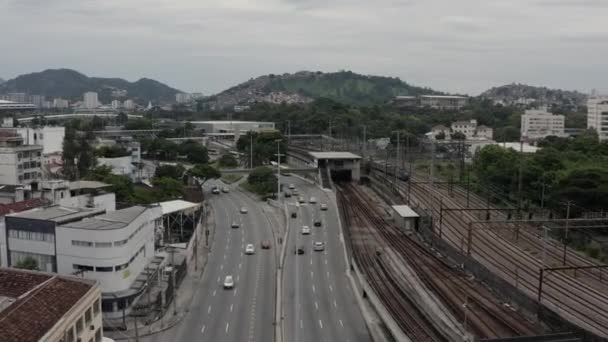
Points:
x=175, y=312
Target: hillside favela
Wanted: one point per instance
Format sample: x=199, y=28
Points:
x=303, y=171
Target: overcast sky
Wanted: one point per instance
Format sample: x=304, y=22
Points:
x=463, y=46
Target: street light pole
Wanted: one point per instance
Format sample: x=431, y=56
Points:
x=251, y=150
x=278, y=170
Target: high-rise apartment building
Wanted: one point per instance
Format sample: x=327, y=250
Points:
x=597, y=115
x=90, y=100
x=20, y=164
x=129, y=104
x=61, y=103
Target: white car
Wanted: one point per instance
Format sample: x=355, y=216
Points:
x=215, y=190
x=249, y=249
x=243, y=210
x=235, y=225
x=301, y=199
x=323, y=206
x=225, y=190
x=291, y=186
x=313, y=200
x=319, y=246
x=228, y=282
x=305, y=230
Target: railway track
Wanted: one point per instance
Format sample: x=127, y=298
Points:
x=367, y=253
x=572, y=299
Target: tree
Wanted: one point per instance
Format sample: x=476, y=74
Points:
x=194, y=152
x=27, y=263
x=167, y=188
x=140, y=123
x=169, y=171
x=440, y=136
x=264, y=146
x=228, y=160
x=112, y=151
x=262, y=179
x=78, y=154
x=204, y=172
x=458, y=136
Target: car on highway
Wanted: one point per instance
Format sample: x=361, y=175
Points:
x=317, y=223
x=235, y=224
x=265, y=244
x=215, y=190
x=225, y=190
x=294, y=215
x=319, y=246
x=305, y=230
x=301, y=199
x=323, y=206
x=295, y=192
x=299, y=250
x=291, y=186
x=287, y=194
x=313, y=200
x=249, y=249
x=243, y=210
x=228, y=282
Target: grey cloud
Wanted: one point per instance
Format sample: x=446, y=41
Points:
x=573, y=3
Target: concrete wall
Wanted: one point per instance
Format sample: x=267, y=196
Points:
x=104, y=201
x=50, y=137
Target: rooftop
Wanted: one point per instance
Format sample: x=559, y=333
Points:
x=21, y=206
x=443, y=97
x=9, y=188
x=31, y=303
x=86, y=184
x=58, y=214
x=334, y=155
x=114, y=220
x=233, y=122
x=169, y=207
x=405, y=211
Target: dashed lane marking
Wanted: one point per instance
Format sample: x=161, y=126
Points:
x=209, y=310
x=313, y=289
x=231, y=306
x=214, y=292
x=342, y=324
x=203, y=330
x=316, y=305
x=321, y=324
x=227, y=326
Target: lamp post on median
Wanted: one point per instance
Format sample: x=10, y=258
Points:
x=278, y=169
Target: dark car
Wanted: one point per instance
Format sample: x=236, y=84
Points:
x=299, y=250
x=265, y=244
x=294, y=215
x=287, y=194
x=317, y=223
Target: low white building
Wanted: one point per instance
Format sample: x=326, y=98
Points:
x=405, y=217
x=468, y=128
x=597, y=115
x=539, y=124
x=50, y=137
x=112, y=249
x=443, y=101
x=440, y=129
x=227, y=126
x=19, y=163
x=484, y=132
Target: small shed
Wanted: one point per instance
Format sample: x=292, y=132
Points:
x=405, y=217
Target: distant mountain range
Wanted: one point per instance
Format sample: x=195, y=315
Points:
x=304, y=86
x=524, y=94
x=70, y=84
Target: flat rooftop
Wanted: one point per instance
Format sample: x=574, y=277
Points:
x=228, y=122
x=114, y=220
x=32, y=303
x=86, y=184
x=405, y=211
x=443, y=97
x=334, y=155
x=58, y=214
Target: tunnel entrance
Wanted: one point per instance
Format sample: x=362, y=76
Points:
x=341, y=175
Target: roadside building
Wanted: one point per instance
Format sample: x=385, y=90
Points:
x=49, y=137
x=240, y=127
x=597, y=115
x=36, y=306
x=443, y=101
x=19, y=163
x=11, y=106
x=405, y=101
x=90, y=100
x=60, y=103
x=539, y=124
x=439, y=129
x=468, y=128
x=405, y=217
x=484, y=132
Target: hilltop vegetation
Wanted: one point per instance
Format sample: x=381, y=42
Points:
x=518, y=93
x=345, y=87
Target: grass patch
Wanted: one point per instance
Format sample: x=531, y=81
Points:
x=229, y=179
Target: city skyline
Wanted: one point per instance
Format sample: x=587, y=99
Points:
x=488, y=45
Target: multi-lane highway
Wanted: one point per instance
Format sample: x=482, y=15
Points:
x=246, y=312
x=318, y=302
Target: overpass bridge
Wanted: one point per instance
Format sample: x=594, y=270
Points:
x=283, y=170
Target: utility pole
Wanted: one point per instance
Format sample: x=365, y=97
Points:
x=364, y=141
x=278, y=170
x=432, y=163
x=519, y=180
x=251, y=150
x=174, y=273
x=398, y=158
x=566, y=233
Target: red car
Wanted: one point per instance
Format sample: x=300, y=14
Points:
x=266, y=244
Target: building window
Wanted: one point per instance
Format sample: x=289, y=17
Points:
x=83, y=267
x=79, y=326
x=107, y=306
x=70, y=334
x=121, y=267
x=104, y=269
x=121, y=243
x=98, y=335
x=88, y=317
x=96, y=307
x=103, y=244
x=82, y=243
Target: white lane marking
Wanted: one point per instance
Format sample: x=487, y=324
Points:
x=214, y=291
x=311, y=261
x=240, y=265
x=221, y=266
x=327, y=274
x=301, y=325
x=335, y=304
x=237, y=278
x=224, y=256
x=231, y=305
x=342, y=324
x=312, y=274
x=227, y=325
x=209, y=309
x=313, y=289
x=317, y=305
x=203, y=330
x=321, y=324
x=235, y=292
x=325, y=261
x=331, y=288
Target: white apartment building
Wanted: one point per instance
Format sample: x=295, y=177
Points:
x=597, y=115
x=183, y=97
x=129, y=104
x=19, y=163
x=90, y=100
x=112, y=249
x=484, y=132
x=50, y=137
x=61, y=103
x=539, y=124
x=468, y=128
x=116, y=104
x=443, y=101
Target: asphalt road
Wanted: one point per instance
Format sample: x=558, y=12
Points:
x=318, y=302
x=246, y=312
